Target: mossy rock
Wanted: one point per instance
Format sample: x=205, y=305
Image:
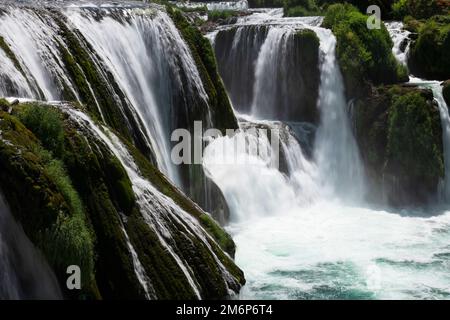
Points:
x=52, y=215
x=306, y=87
x=365, y=56
x=203, y=54
x=428, y=55
x=399, y=134
x=446, y=92
x=109, y=211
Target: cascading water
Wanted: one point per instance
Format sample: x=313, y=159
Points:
x=160, y=212
x=400, y=38
x=306, y=233
x=156, y=44
x=24, y=274
x=119, y=40
x=336, y=151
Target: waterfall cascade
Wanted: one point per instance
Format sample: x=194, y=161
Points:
x=118, y=41
x=165, y=218
x=130, y=67
x=400, y=38
x=306, y=232
x=24, y=274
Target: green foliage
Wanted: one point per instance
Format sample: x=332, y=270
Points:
x=419, y=9
x=216, y=15
x=429, y=54
x=53, y=215
x=300, y=8
x=3, y=103
x=398, y=130
x=46, y=123
x=411, y=24
x=412, y=143
x=223, y=116
x=365, y=55
x=336, y=14
x=10, y=54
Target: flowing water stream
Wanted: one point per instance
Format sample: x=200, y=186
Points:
x=308, y=233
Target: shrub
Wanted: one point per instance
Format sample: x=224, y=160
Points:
x=411, y=138
x=216, y=15
x=420, y=9
x=300, y=8
x=365, y=55
x=429, y=54
x=46, y=123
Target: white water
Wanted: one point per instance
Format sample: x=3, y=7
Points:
x=309, y=235
x=436, y=87
x=399, y=35
x=138, y=44
x=240, y=5
x=24, y=273
x=156, y=44
x=158, y=210
x=33, y=40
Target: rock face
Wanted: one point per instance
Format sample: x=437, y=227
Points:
x=82, y=209
x=365, y=56
x=271, y=72
x=446, y=92
x=399, y=133
x=428, y=55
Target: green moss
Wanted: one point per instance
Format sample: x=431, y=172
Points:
x=301, y=8
x=365, y=55
x=216, y=15
x=164, y=186
x=428, y=55
x=420, y=9
x=446, y=92
x=52, y=215
x=222, y=112
x=10, y=54
x=399, y=133
x=46, y=123
x=412, y=145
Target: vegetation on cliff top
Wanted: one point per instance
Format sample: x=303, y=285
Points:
x=201, y=50
x=365, y=55
x=429, y=54
x=53, y=215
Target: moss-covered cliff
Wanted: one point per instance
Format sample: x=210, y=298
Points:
x=399, y=133
x=428, y=55
x=80, y=202
x=364, y=55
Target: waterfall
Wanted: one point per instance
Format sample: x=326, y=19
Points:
x=161, y=213
x=336, y=150
x=302, y=230
x=436, y=87
x=400, y=38
x=271, y=91
x=24, y=273
x=156, y=44
x=151, y=101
